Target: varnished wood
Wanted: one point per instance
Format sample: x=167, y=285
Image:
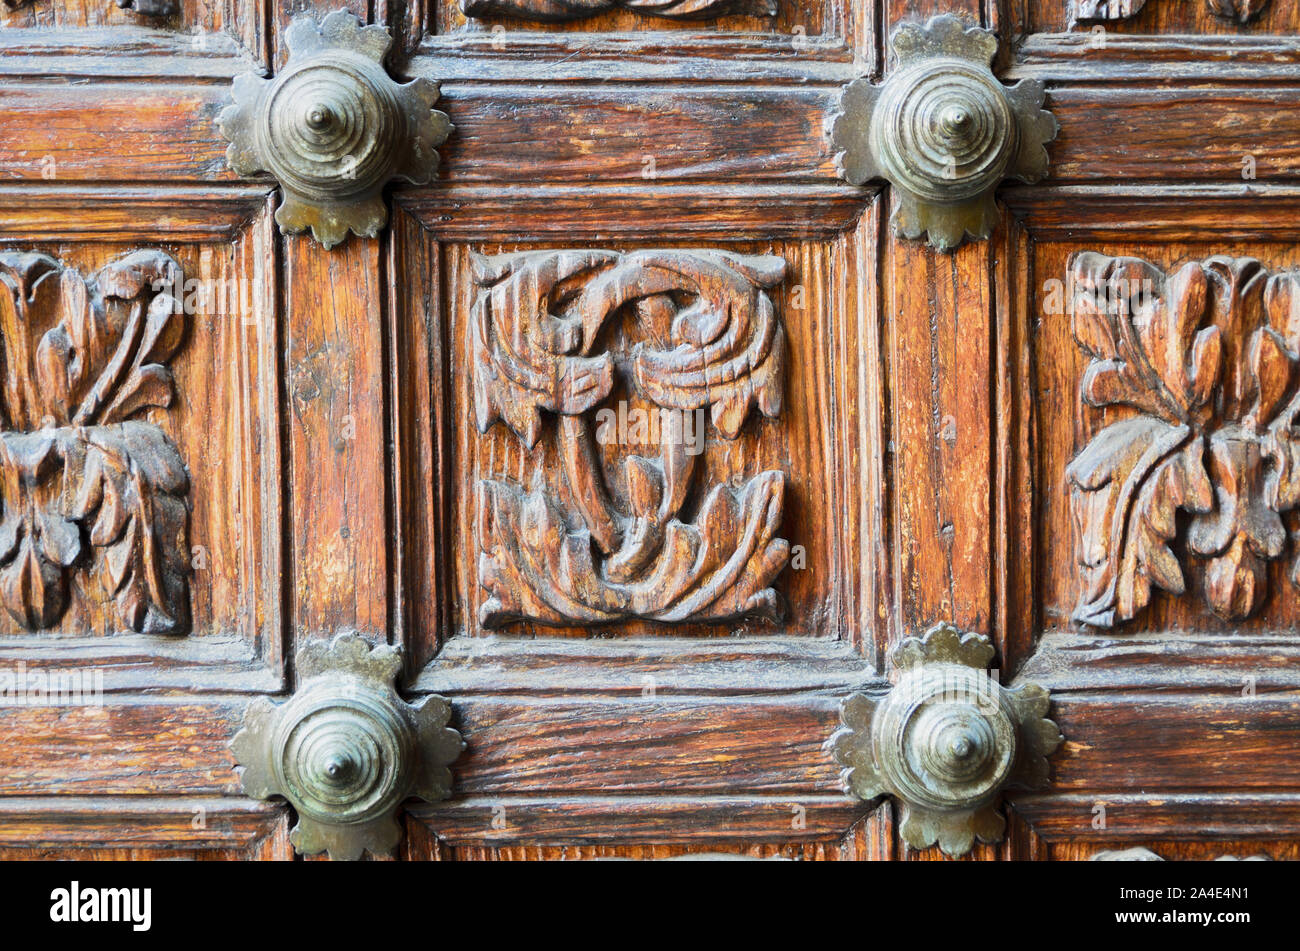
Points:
x=930, y=412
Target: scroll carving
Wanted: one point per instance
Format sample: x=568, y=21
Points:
x=87, y=488
x=1207, y=356
x=1239, y=11
x=716, y=344
x=559, y=10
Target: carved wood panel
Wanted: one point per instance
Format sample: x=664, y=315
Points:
x=649, y=426
x=1171, y=500
x=708, y=340
x=1160, y=17
x=1240, y=11
x=88, y=489
x=1208, y=356
x=239, y=18
x=140, y=454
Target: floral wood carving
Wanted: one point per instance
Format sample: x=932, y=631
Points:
x=1207, y=355
x=558, y=10
x=148, y=8
x=1240, y=11
x=87, y=488
x=535, y=333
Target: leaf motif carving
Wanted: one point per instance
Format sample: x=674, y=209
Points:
x=1240, y=11
x=88, y=488
x=715, y=343
x=129, y=486
x=1206, y=357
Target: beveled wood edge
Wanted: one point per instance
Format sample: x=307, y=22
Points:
x=1171, y=212
x=689, y=58
x=135, y=52
x=633, y=820
x=593, y=213
x=1175, y=815
x=52, y=211
x=129, y=664
x=136, y=822
x=513, y=666
x=1225, y=664
x=1127, y=58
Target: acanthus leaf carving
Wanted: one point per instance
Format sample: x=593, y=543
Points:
x=1207, y=358
x=536, y=328
x=553, y=11
x=87, y=486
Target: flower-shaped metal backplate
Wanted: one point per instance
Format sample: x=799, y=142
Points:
x=943, y=131
x=345, y=750
x=946, y=740
x=334, y=128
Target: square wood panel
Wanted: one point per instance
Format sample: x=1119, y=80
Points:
x=215, y=566
x=817, y=439
x=1209, y=276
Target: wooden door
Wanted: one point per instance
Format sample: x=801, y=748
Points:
x=647, y=556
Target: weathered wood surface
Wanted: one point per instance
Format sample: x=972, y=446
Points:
x=930, y=410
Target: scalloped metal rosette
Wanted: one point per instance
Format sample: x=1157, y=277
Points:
x=943, y=131
x=345, y=750
x=946, y=741
x=334, y=128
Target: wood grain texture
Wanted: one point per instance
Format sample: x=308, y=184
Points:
x=975, y=12
x=1176, y=743
x=561, y=11
x=580, y=212
x=644, y=820
x=698, y=58
x=1136, y=818
x=143, y=828
x=161, y=131
x=1180, y=850
x=866, y=840
x=939, y=308
x=636, y=16
x=649, y=746
x=159, y=746
x=1153, y=17
x=1186, y=133
x=337, y=435
x=718, y=133
x=134, y=52
x=283, y=12
x=1126, y=59
x=499, y=665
